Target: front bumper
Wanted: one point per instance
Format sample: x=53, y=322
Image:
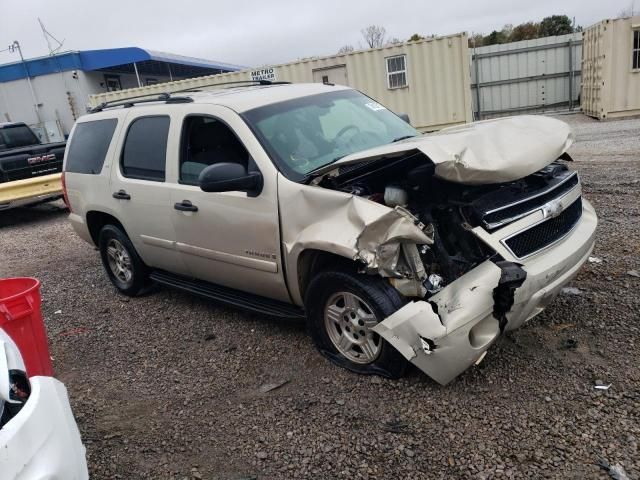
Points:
x=444, y=342
x=31, y=190
x=42, y=441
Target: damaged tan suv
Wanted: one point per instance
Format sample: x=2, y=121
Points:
x=315, y=201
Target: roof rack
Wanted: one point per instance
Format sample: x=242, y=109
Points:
x=131, y=101
x=242, y=83
x=167, y=96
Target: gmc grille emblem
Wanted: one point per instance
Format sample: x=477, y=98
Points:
x=40, y=159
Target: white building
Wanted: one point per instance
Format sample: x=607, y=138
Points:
x=49, y=93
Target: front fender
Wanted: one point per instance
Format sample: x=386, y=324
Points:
x=339, y=223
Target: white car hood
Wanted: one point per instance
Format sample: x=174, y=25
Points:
x=490, y=151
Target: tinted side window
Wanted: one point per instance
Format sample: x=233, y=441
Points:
x=18, y=136
x=145, y=149
x=89, y=146
x=205, y=141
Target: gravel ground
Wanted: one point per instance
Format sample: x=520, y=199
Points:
x=169, y=386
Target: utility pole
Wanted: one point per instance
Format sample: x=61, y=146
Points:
x=12, y=48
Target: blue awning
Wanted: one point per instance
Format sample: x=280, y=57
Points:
x=111, y=58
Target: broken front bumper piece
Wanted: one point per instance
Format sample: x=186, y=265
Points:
x=42, y=441
x=449, y=333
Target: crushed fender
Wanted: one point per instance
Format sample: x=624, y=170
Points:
x=388, y=247
x=380, y=242
x=384, y=240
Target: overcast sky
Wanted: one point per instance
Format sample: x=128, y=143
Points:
x=256, y=33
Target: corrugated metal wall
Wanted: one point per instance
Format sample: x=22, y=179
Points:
x=610, y=85
x=529, y=76
x=437, y=94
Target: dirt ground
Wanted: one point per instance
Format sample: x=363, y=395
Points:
x=169, y=386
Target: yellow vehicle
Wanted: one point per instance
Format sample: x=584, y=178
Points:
x=30, y=171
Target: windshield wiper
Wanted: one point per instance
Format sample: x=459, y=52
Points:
x=402, y=138
x=328, y=163
x=311, y=174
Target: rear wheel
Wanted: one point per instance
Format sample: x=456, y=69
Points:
x=123, y=265
x=342, y=308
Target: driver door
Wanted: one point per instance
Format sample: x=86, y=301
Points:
x=227, y=238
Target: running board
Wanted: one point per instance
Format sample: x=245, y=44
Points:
x=229, y=296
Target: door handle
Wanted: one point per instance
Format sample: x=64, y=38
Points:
x=185, y=206
x=121, y=195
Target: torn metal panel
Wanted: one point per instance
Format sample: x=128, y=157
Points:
x=511, y=278
x=392, y=238
x=405, y=328
x=445, y=343
x=348, y=226
x=410, y=266
x=480, y=153
x=460, y=301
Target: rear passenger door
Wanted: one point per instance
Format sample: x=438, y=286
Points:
x=139, y=192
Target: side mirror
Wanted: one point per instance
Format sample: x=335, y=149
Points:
x=229, y=177
x=405, y=117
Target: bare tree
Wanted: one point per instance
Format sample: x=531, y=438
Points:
x=374, y=35
x=476, y=40
x=345, y=49
x=394, y=41
x=630, y=11
x=507, y=30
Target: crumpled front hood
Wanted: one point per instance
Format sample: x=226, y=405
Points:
x=486, y=152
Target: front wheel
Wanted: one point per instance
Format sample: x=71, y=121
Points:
x=121, y=261
x=342, y=308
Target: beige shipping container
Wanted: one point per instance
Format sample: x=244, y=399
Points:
x=428, y=80
x=611, y=68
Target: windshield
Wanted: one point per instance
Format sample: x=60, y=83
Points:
x=304, y=134
x=18, y=136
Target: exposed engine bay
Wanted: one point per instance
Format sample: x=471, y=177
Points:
x=446, y=212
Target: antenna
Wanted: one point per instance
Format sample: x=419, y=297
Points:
x=48, y=37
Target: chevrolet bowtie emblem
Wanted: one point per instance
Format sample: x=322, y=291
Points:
x=552, y=209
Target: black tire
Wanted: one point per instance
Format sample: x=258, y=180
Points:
x=380, y=297
x=139, y=280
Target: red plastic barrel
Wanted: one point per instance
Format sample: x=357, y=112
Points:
x=21, y=318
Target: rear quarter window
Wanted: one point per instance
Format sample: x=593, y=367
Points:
x=89, y=146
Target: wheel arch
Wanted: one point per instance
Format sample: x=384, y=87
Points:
x=312, y=261
x=96, y=220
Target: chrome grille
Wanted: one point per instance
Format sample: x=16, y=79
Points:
x=508, y=213
x=544, y=233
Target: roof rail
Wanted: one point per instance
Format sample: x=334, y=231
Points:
x=242, y=83
x=131, y=101
x=166, y=96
